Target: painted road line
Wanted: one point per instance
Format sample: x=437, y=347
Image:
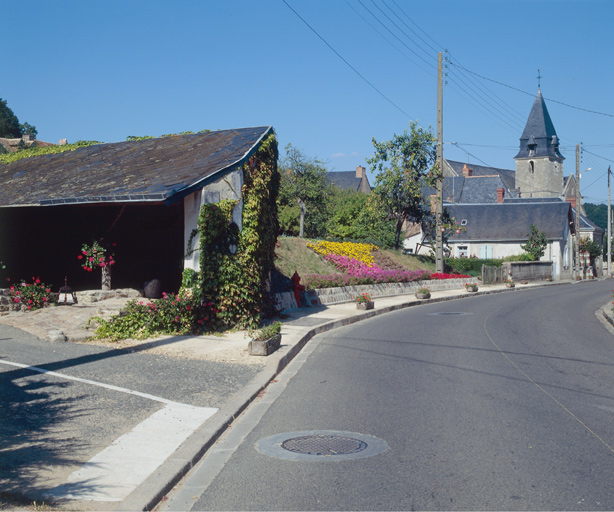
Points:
x=116, y=471
x=91, y=382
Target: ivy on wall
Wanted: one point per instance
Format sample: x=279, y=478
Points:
x=235, y=266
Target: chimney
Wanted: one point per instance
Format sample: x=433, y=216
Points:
x=361, y=172
x=467, y=171
x=572, y=200
x=500, y=194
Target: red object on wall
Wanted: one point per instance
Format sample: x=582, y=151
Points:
x=297, y=288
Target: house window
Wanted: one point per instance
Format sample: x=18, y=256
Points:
x=532, y=166
x=462, y=251
x=464, y=222
x=486, y=252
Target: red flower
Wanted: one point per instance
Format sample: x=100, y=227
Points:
x=80, y=257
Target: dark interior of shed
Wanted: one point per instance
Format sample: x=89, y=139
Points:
x=45, y=242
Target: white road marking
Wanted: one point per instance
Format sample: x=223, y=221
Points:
x=116, y=471
x=92, y=382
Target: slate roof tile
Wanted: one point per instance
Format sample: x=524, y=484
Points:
x=162, y=169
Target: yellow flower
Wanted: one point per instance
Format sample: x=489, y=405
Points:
x=360, y=252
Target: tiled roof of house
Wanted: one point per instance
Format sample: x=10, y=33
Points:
x=345, y=180
x=508, y=177
x=511, y=220
x=474, y=189
x=13, y=145
x=163, y=169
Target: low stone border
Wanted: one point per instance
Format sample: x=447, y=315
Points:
x=608, y=314
x=342, y=294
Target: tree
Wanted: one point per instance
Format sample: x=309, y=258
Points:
x=9, y=124
x=28, y=129
x=303, y=181
x=592, y=247
x=598, y=213
x=10, y=128
x=536, y=243
x=404, y=165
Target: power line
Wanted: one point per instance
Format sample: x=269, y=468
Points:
x=346, y=62
x=528, y=93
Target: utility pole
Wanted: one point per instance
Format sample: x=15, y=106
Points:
x=609, y=228
x=577, y=210
x=439, y=200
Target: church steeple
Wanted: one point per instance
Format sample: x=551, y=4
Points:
x=539, y=137
x=539, y=163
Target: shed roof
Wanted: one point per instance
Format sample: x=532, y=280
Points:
x=150, y=170
x=510, y=221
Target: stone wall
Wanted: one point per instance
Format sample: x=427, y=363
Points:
x=528, y=270
x=285, y=301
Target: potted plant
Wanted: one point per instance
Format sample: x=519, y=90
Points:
x=265, y=341
x=471, y=287
x=423, y=293
x=509, y=283
x=95, y=256
x=364, y=301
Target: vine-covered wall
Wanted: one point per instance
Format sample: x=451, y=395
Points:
x=235, y=264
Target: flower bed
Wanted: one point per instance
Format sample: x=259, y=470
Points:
x=29, y=296
x=448, y=276
x=357, y=251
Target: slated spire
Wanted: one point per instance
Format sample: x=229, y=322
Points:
x=539, y=137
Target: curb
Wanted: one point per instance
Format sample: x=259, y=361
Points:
x=151, y=492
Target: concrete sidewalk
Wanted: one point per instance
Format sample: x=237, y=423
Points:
x=299, y=326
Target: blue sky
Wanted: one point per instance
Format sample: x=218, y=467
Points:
x=85, y=70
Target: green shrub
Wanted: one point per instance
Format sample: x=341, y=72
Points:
x=32, y=295
x=471, y=266
x=266, y=332
x=172, y=314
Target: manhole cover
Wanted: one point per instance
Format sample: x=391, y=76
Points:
x=324, y=445
x=321, y=445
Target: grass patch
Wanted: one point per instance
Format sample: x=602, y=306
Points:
x=294, y=255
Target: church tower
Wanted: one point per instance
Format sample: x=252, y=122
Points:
x=539, y=164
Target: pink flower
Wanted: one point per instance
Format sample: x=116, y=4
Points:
x=91, y=259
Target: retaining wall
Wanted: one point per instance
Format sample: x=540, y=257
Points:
x=324, y=296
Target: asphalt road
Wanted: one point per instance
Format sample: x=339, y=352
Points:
x=62, y=404
x=501, y=402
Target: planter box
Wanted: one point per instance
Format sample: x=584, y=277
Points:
x=423, y=295
x=264, y=347
x=365, y=305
